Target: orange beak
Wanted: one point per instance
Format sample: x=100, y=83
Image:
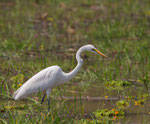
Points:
x=100, y=53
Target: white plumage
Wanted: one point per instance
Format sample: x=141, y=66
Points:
x=41, y=81
x=51, y=77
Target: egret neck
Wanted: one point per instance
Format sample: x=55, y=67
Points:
x=71, y=74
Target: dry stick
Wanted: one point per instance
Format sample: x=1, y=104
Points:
x=87, y=98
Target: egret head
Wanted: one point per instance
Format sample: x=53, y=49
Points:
x=91, y=48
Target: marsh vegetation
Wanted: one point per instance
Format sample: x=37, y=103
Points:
x=36, y=34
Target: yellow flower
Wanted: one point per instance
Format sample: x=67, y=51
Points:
x=19, y=85
x=106, y=97
x=135, y=103
x=116, y=112
x=113, y=109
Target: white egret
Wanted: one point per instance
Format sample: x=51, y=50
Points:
x=51, y=77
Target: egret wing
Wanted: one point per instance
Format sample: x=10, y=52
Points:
x=38, y=82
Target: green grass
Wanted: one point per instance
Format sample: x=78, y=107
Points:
x=37, y=34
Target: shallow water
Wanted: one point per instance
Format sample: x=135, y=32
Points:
x=134, y=114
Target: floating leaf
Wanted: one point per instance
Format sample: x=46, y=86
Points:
x=139, y=102
x=41, y=47
x=50, y=19
x=109, y=114
x=118, y=83
x=14, y=107
x=122, y=104
x=18, y=78
x=147, y=13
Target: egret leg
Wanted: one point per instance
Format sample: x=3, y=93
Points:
x=48, y=97
x=49, y=104
x=43, y=98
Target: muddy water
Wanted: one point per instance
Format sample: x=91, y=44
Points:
x=134, y=114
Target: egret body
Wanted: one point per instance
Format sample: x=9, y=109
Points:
x=48, y=78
